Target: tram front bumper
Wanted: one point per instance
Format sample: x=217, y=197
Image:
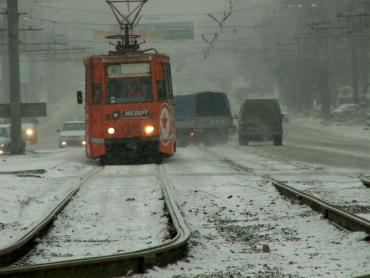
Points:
x=130, y=143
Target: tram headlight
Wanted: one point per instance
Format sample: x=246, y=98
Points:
x=149, y=129
x=29, y=132
x=111, y=131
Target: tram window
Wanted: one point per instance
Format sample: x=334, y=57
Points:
x=168, y=81
x=129, y=90
x=161, y=90
x=165, y=86
x=97, y=94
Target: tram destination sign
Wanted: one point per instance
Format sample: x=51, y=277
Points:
x=155, y=31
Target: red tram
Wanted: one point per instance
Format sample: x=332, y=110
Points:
x=129, y=104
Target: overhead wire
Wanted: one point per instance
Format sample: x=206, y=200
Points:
x=164, y=14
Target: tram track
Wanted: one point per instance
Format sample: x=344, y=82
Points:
x=123, y=263
x=365, y=181
x=332, y=212
x=24, y=241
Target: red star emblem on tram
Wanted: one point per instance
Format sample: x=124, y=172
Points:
x=164, y=121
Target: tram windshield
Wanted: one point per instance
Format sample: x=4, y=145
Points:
x=129, y=90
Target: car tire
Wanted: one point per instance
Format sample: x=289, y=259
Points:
x=243, y=141
x=278, y=140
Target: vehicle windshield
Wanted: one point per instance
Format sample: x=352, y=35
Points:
x=73, y=126
x=129, y=90
x=3, y=132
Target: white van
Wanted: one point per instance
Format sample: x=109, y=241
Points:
x=72, y=134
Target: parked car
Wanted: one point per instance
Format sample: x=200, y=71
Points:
x=344, y=109
x=72, y=134
x=4, y=138
x=260, y=120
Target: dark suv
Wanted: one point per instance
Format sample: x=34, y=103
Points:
x=260, y=120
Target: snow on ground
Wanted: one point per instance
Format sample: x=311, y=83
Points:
x=120, y=210
x=259, y=162
x=27, y=198
x=340, y=130
x=243, y=228
x=345, y=192
x=309, y=141
x=336, y=186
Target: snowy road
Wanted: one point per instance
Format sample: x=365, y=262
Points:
x=336, y=186
x=242, y=227
x=309, y=141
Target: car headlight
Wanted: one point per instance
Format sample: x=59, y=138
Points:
x=149, y=129
x=64, y=143
x=2, y=145
x=83, y=142
x=30, y=132
x=1, y=151
x=111, y=131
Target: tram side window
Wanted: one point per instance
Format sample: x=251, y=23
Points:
x=161, y=90
x=165, y=86
x=168, y=79
x=97, y=94
x=87, y=81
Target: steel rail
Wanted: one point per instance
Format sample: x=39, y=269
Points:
x=342, y=218
x=11, y=252
x=365, y=181
x=119, y=264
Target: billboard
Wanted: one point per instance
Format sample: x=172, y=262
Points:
x=155, y=31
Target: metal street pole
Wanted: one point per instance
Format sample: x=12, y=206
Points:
x=354, y=72
x=17, y=146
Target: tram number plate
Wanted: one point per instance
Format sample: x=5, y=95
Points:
x=130, y=128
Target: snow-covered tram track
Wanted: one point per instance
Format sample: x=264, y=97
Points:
x=331, y=211
x=119, y=262
x=339, y=187
x=22, y=242
x=365, y=181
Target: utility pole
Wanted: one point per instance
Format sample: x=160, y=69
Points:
x=4, y=92
x=17, y=146
x=354, y=72
x=15, y=110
